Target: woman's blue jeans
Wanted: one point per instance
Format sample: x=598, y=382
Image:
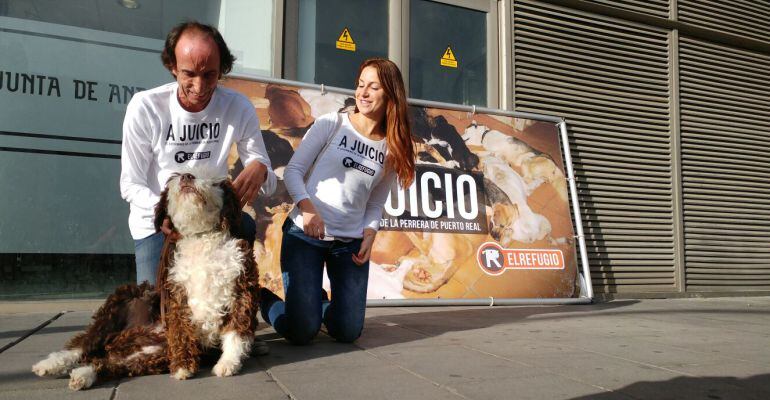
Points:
x=148, y=250
x=299, y=318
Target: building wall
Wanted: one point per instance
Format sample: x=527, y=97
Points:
x=667, y=103
x=67, y=72
x=666, y=100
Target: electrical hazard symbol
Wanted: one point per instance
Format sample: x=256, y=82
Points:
x=345, y=41
x=448, y=59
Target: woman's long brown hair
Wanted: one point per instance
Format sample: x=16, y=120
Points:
x=397, y=130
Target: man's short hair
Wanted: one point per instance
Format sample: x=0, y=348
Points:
x=168, y=56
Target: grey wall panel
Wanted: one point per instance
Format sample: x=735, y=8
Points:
x=749, y=18
x=658, y=8
x=610, y=80
x=725, y=113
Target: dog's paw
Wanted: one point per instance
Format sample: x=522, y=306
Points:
x=47, y=368
x=82, y=378
x=182, y=374
x=226, y=368
x=57, y=364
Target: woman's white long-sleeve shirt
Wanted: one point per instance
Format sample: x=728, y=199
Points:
x=160, y=137
x=349, y=184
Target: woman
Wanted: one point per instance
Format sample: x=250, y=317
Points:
x=339, y=179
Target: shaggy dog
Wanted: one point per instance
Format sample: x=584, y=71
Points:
x=207, y=297
x=125, y=338
x=209, y=281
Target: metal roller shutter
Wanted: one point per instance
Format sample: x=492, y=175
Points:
x=610, y=80
x=725, y=113
x=658, y=8
x=749, y=18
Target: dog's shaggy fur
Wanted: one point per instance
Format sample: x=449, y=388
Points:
x=125, y=338
x=207, y=297
x=211, y=283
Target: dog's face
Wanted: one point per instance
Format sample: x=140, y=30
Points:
x=197, y=204
x=474, y=134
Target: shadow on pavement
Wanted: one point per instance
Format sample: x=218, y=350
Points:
x=410, y=326
x=710, y=387
x=395, y=328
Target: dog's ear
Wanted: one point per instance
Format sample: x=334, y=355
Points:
x=230, y=216
x=161, y=210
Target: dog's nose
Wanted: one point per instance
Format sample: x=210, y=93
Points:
x=188, y=177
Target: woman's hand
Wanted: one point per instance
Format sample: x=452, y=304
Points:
x=313, y=224
x=366, y=247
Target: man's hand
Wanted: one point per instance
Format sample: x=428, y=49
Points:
x=366, y=247
x=168, y=229
x=249, y=181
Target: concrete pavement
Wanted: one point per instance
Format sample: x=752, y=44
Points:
x=714, y=348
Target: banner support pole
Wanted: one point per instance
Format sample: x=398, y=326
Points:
x=475, y=302
x=586, y=270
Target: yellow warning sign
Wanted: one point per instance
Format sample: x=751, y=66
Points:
x=345, y=41
x=448, y=59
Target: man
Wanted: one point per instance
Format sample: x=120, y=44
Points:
x=190, y=122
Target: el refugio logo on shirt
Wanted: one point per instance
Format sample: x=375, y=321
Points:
x=182, y=156
x=349, y=163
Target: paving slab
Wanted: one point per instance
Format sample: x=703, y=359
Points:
x=535, y=387
x=452, y=364
x=322, y=354
x=15, y=326
x=97, y=393
x=16, y=377
x=48, y=306
x=379, y=381
x=252, y=383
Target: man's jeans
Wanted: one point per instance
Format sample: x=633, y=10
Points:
x=302, y=263
x=148, y=250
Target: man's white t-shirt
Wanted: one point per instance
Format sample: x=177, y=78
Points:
x=160, y=138
x=349, y=183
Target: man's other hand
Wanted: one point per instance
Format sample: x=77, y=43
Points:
x=249, y=181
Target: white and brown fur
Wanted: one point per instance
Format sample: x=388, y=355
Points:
x=209, y=280
x=207, y=286
x=536, y=167
x=125, y=338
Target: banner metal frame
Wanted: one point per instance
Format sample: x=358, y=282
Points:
x=583, y=284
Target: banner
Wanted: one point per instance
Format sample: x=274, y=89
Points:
x=487, y=214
